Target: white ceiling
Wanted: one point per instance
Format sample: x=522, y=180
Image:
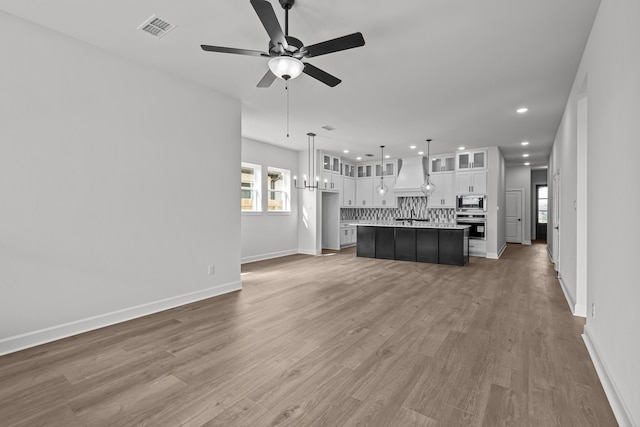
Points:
x=451, y=70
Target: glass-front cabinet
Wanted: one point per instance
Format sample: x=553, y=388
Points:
x=330, y=163
x=388, y=168
x=348, y=170
x=365, y=171
x=445, y=163
x=475, y=159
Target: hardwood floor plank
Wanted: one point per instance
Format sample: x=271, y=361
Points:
x=329, y=341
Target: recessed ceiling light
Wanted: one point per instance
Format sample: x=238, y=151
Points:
x=525, y=155
x=524, y=143
x=461, y=148
x=358, y=158
x=387, y=156
x=413, y=147
x=522, y=110
x=421, y=152
x=527, y=164
x=345, y=151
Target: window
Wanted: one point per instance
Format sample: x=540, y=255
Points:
x=543, y=206
x=250, y=188
x=279, y=188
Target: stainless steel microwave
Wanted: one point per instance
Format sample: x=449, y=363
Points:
x=470, y=203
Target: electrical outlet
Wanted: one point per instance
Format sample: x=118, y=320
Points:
x=212, y=270
x=593, y=310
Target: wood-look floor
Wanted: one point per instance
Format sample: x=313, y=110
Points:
x=334, y=340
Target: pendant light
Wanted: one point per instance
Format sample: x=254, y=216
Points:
x=382, y=189
x=311, y=144
x=428, y=187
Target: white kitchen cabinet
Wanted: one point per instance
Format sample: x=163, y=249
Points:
x=444, y=163
x=445, y=194
x=348, y=192
x=389, y=200
x=474, y=182
x=365, y=170
x=364, y=192
x=473, y=159
x=477, y=247
x=348, y=170
x=330, y=163
x=387, y=168
x=331, y=182
x=347, y=235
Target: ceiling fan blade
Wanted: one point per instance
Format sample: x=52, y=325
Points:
x=335, y=45
x=233, y=50
x=270, y=22
x=267, y=79
x=318, y=74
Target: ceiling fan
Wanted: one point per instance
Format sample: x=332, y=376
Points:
x=287, y=52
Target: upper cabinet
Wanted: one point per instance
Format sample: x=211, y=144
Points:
x=387, y=168
x=444, y=163
x=348, y=170
x=472, y=182
x=472, y=159
x=365, y=171
x=330, y=163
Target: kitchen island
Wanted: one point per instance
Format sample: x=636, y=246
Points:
x=436, y=243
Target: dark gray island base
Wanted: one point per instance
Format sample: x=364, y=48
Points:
x=438, y=244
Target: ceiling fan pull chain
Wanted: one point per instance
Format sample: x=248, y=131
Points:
x=286, y=88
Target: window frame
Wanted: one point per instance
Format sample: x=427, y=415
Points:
x=256, y=189
x=286, y=192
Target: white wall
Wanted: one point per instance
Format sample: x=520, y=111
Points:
x=496, y=240
x=112, y=189
x=519, y=178
x=310, y=217
x=270, y=234
x=612, y=64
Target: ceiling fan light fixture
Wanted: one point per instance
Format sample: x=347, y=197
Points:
x=286, y=67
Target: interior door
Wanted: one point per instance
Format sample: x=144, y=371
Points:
x=556, y=221
x=513, y=214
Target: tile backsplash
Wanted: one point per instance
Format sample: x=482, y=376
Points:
x=405, y=204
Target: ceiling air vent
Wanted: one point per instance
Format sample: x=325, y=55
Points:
x=369, y=155
x=156, y=27
x=328, y=127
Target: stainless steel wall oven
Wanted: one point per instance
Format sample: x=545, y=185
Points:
x=477, y=223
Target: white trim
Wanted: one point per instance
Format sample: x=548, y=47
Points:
x=54, y=333
x=493, y=255
x=576, y=310
x=270, y=255
x=620, y=409
x=310, y=252
x=279, y=213
x=526, y=242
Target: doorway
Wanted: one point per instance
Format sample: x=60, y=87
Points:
x=542, y=211
x=513, y=215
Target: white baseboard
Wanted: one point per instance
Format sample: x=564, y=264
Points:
x=576, y=309
x=493, y=255
x=271, y=255
x=620, y=409
x=54, y=333
x=580, y=310
x=309, y=252
x=526, y=242
x=567, y=295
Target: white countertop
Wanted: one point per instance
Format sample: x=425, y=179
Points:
x=415, y=224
